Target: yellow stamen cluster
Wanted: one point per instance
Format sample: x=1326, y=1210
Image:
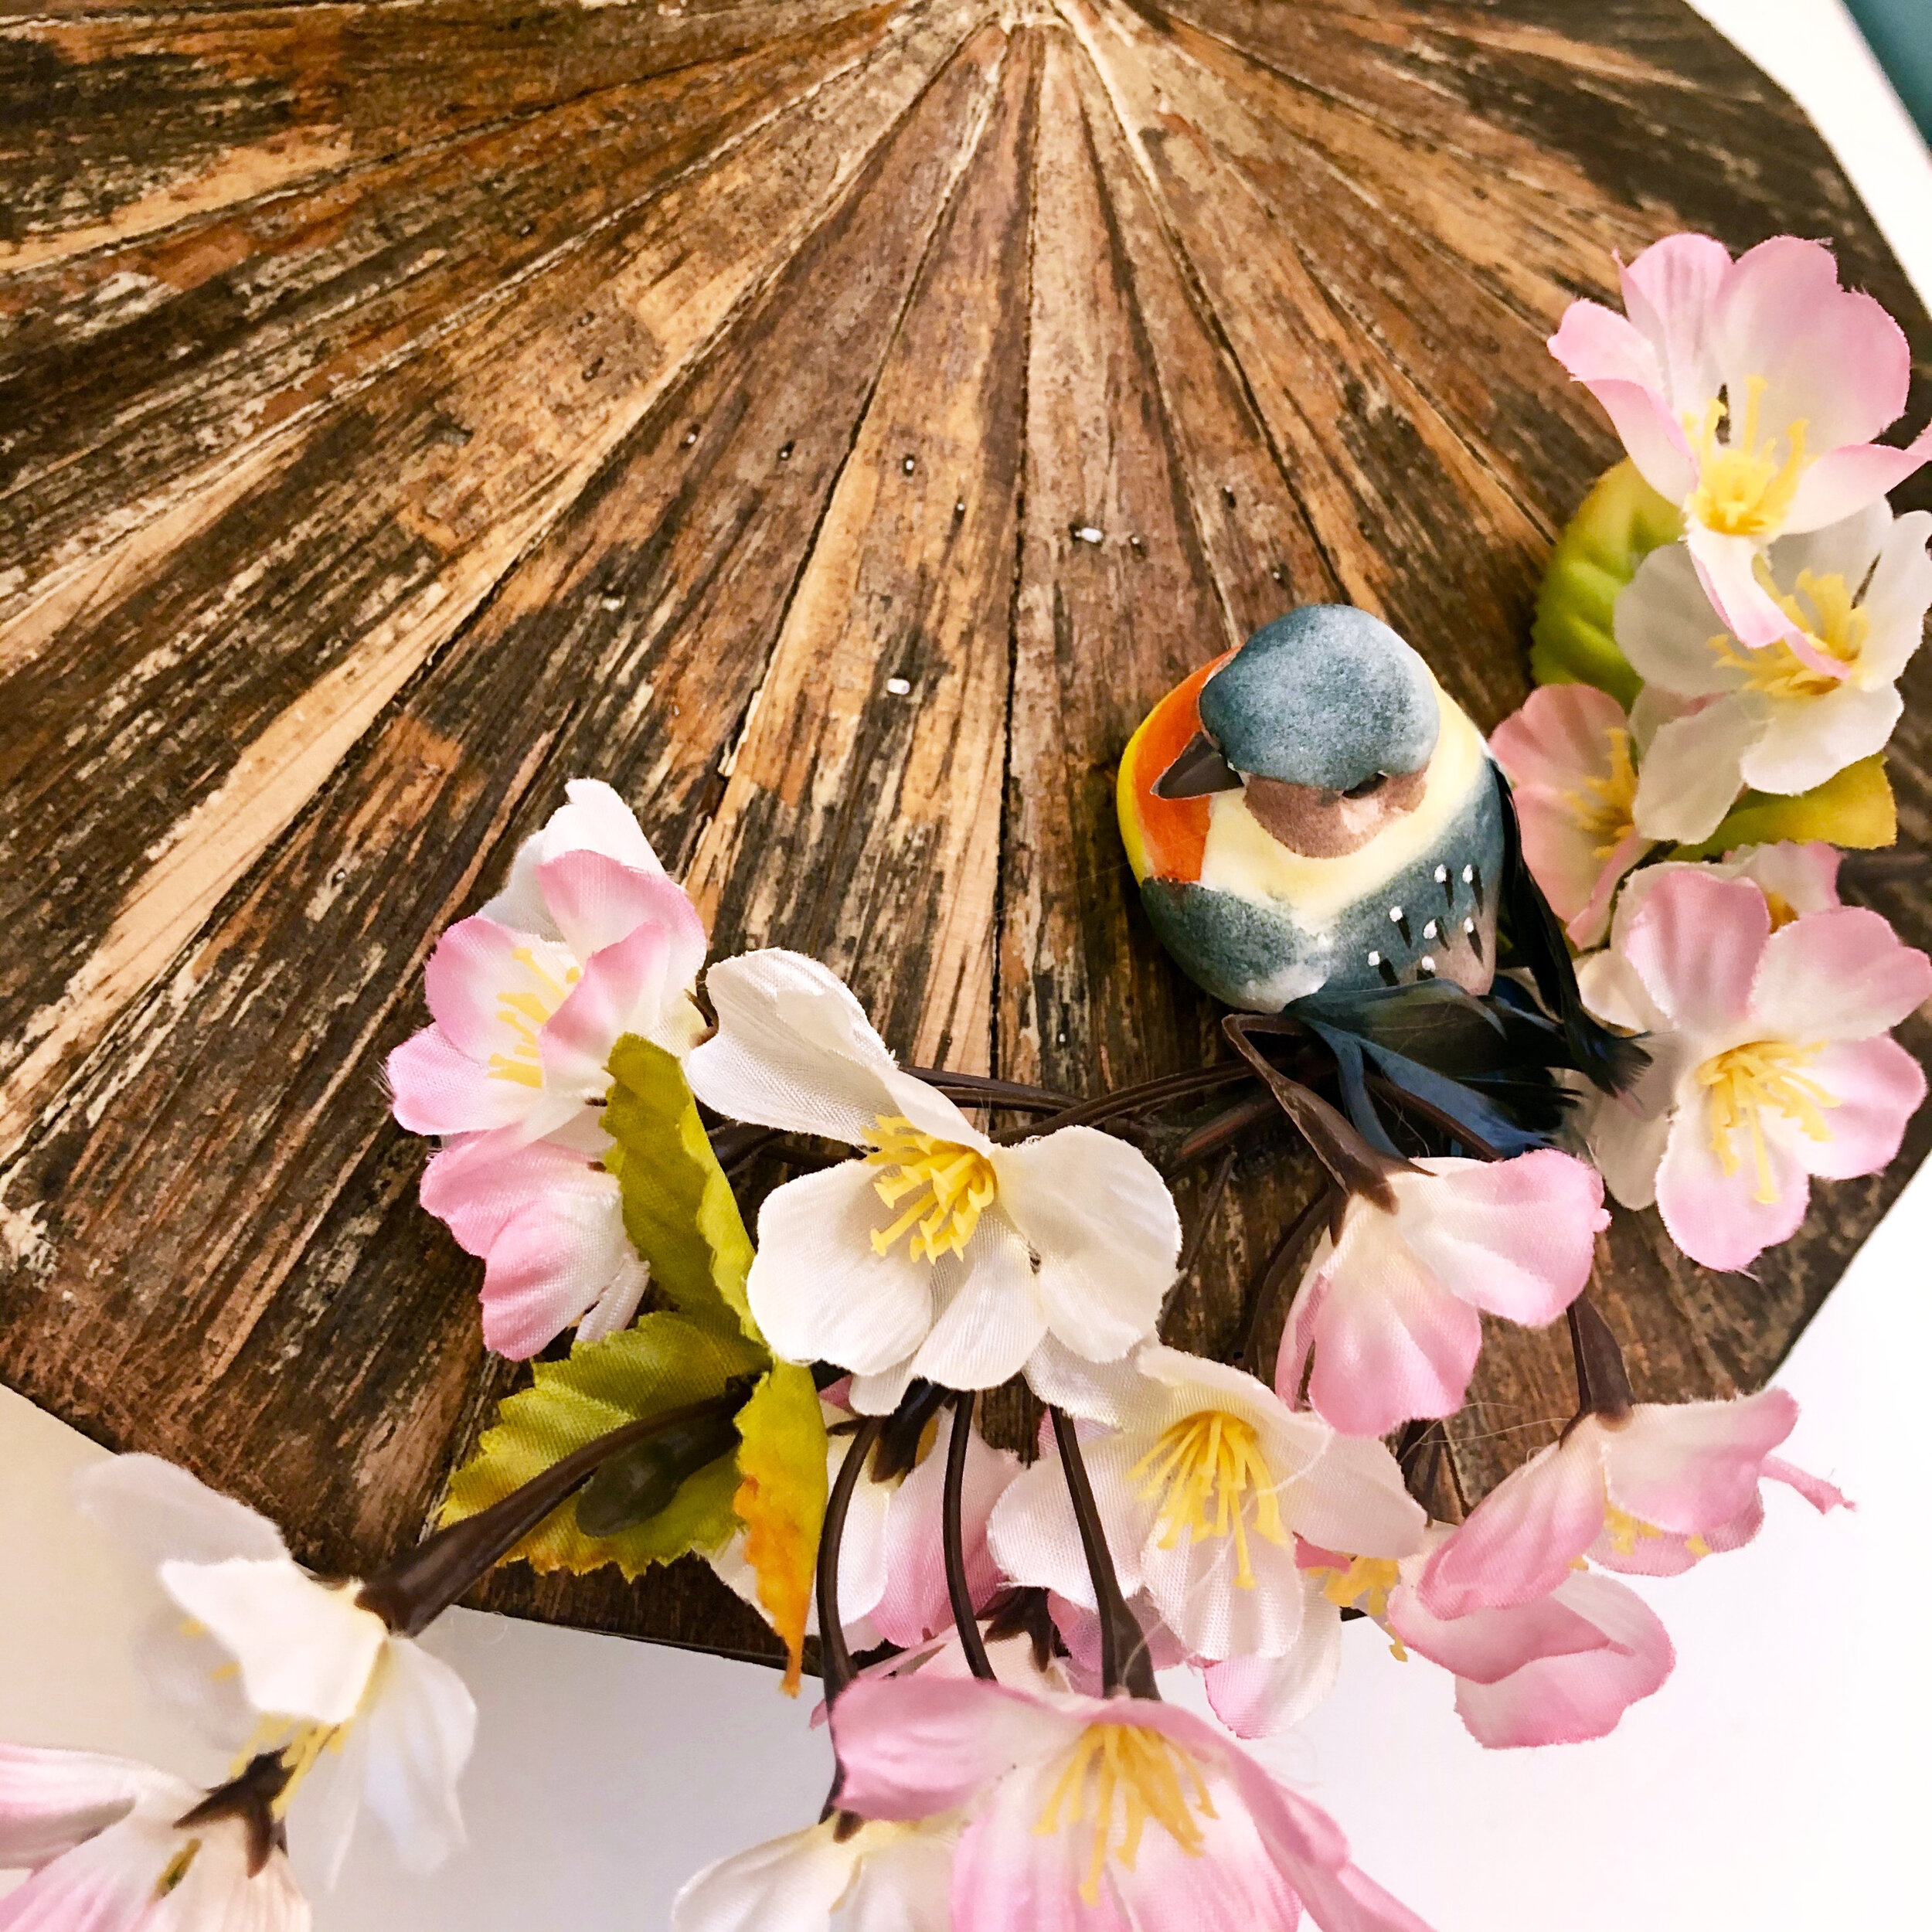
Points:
x=1117, y=1778
x=1202, y=1471
x=1626, y=1532
x=1743, y=1081
x=176, y=1870
x=1743, y=490
x=300, y=1746
x=950, y=1187
x=1604, y=806
x=1836, y=627
x=525, y=1011
x=1365, y=1586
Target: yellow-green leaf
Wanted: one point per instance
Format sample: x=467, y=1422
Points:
x=781, y=1500
x=678, y=1209
x=1854, y=809
x=1572, y=641
x=662, y=1363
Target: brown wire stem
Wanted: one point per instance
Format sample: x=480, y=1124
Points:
x=834, y=1656
x=1125, y=1663
x=959, y=1591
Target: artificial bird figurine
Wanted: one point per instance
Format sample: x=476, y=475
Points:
x=1318, y=829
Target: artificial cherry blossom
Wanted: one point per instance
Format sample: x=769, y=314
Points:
x=1392, y=1306
x=1786, y=716
x=844, y=1874
x=1571, y=758
x=117, y=1846
x=1091, y=1814
x=1650, y=1489
x=1559, y=1669
x=524, y=1014
x=547, y=1219
x=371, y=1716
x=1203, y=1482
x=891, y=1571
x=1769, y=1058
x=940, y=1253
x=1751, y=393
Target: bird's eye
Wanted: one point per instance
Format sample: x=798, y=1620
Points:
x=1367, y=787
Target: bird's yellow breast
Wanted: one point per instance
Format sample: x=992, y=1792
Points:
x=1239, y=857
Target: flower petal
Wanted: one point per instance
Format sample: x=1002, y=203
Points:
x=1727, y=568
x=158, y=1511
x=789, y=1884
x=305, y=1649
x=51, y=1800
x=105, y=1885
x=1837, y=975
x=1514, y=1238
x=913, y=1605
x=1696, y=945
x=1559, y=737
x=1688, y=1466
x=1569, y=1697
x=420, y=1727
x=596, y=901
x=564, y=1255
x=1693, y=770
x=1829, y=357
x=436, y=1089
x=1899, y=594
x=1257, y=1696
x=1035, y=1536
x=1390, y=1342
x=1726, y=1219
x=1877, y=1087
x=1665, y=626
x=1844, y=480
x=1628, y=1145
x=478, y=1184
x=1487, y=1645
x=1105, y=1229
x=1807, y=741
x=1519, y=1542
x=1353, y=1498
x=793, y=1049
x=1670, y=292
x=818, y=1292
x=991, y=1318
x=912, y=1747
x=1608, y=356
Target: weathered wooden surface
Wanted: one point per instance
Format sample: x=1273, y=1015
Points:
x=403, y=409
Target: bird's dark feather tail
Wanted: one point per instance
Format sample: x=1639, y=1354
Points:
x=1531, y=937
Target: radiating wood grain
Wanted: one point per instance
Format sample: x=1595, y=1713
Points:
x=405, y=408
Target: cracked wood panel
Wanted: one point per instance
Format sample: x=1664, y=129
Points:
x=549, y=411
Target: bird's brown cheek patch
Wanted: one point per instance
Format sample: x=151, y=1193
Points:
x=1322, y=824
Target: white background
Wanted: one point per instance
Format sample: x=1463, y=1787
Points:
x=1779, y=1781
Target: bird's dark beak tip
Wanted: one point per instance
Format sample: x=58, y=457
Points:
x=1197, y=771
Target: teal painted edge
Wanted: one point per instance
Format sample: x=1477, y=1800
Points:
x=1899, y=33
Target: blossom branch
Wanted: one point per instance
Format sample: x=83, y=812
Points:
x=1124, y=1660
x=1603, y=1383
x=834, y=1657
x=411, y=1591
x=958, y=1589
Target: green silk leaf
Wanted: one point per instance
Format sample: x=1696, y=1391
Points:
x=781, y=1500
x=1573, y=639
x=662, y=1363
x=1854, y=808
x=678, y=1209
x=683, y=1218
